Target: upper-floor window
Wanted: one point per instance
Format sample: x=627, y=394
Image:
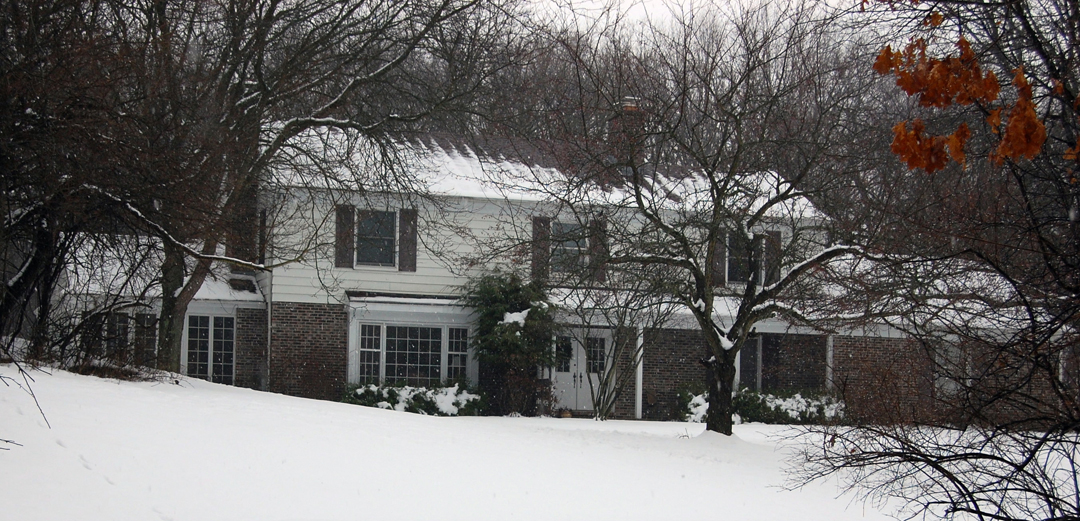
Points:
x=376, y=234
x=570, y=246
x=375, y=238
x=739, y=257
x=578, y=250
x=738, y=261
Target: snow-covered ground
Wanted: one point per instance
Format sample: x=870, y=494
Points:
x=200, y=451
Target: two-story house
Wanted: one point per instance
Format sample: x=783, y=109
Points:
x=374, y=297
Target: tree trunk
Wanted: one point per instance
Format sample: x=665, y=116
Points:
x=175, y=299
x=171, y=328
x=720, y=379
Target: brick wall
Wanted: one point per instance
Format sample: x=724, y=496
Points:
x=251, y=348
x=792, y=362
x=626, y=343
x=670, y=364
x=887, y=380
x=309, y=350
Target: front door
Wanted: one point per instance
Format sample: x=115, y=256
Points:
x=580, y=359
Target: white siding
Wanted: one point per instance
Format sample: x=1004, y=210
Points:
x=456, y=237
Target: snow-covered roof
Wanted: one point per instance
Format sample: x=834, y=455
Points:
x=233, y=288
x=508, y=169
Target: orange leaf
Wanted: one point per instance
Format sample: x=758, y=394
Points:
x=1024, y=133
x=885, y=60
x=956, y=141
x=994, y=120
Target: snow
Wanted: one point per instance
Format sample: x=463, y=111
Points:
x=515, y=318
x=190, y=450
x=220, y=289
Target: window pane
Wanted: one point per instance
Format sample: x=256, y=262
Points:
x=564, y=352
x=198, y=346
x=116, y=337
x=595, y=353
x=738, y=258
x=570, y=246
x=457, y=349
x=223, y=351
x=375, y=238
x=145, y=338
x=413, y=355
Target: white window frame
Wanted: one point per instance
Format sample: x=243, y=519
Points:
x=386, y=312
x=184, y=352
x=444, y=348
x=558, y=245
x=749, y=260
x=214, y=308
x=356, y=241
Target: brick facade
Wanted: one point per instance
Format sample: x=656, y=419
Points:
x=626, y=344
x=670, y=364
x=793, y=362
x=251, y=348
x=882, y=379
x=309, y=350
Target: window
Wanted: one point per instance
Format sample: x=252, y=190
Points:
x=211, y=348
x=116, y=336
x=457, y=353
x=738, y=265
x=595, y=352
x=370, y=351
x=564, y=354
x=375, y=233
x=375, y=238
x=742, y=257
x=123, y=338
x=411, y=355
x=570, y=246
x=145, y=338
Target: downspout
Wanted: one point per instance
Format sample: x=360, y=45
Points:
x=640, y=371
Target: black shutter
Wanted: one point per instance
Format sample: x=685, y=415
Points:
x=344, y=236
x=541, y=247
x=407, y=240
x=719, y=263
x=773, y=254
x=598, y=249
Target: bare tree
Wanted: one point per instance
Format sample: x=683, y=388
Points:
x=691, y=148
x=976, y=259
x=196, y=101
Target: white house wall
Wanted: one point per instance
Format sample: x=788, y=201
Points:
x=456, y=237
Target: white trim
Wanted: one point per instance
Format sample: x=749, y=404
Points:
x=356, y=241
x=210, y=362
x=412, y=312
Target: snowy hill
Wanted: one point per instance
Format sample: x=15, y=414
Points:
x=200, y=451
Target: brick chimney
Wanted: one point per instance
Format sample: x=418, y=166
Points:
x=626, y=132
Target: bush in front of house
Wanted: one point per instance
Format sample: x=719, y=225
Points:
x=792, y=408
x=439, y=401
x=515, y=332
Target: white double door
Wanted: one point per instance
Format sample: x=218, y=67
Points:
x=581, y=358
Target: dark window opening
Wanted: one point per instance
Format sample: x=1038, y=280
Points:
x=375, y=239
